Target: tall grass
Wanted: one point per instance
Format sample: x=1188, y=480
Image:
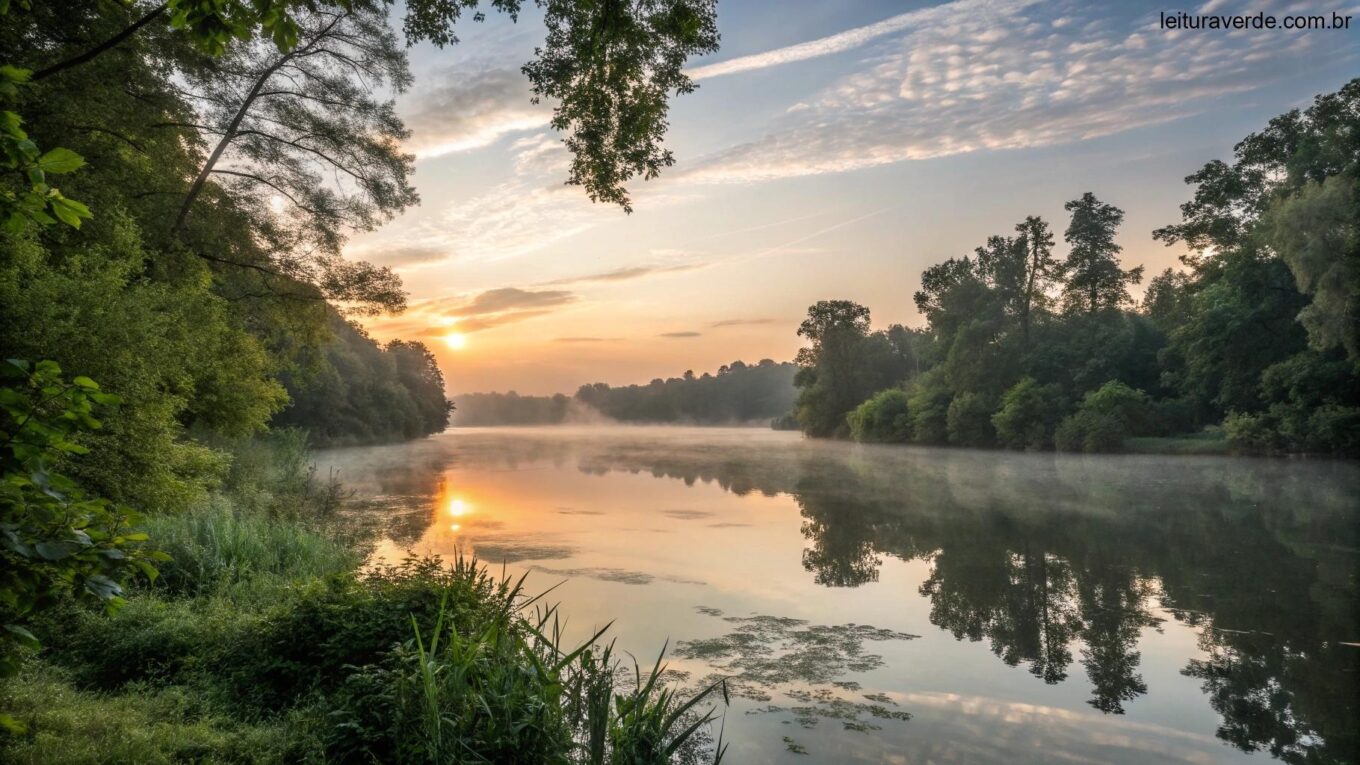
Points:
x=218, y=545
x=510, y=692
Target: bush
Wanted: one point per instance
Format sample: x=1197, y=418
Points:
x=930, y=409
x=969, y=421
x=1027, y=416
x=884, y=418
x=1090, y=432
x=1107, y=416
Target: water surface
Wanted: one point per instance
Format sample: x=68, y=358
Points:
x=907, y=605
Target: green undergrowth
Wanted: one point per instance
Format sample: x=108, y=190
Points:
x=264, y=640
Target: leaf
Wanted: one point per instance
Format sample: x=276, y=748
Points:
x=53, y=550
x=60, y=160
x=70, y=211
x=22, y=635
x=82, y=381
x=103, y=587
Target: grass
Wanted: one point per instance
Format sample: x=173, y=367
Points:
x=1207, y=441
x=264, y=641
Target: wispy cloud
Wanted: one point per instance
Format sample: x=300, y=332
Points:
x=511, y=299
x=974, y=75
x=474, y=313
x=679, y=335
x=470, y=108
x=742, y=322
x=825, y=46
x=628, y=273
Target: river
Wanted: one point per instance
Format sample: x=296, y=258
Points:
x=875, y=604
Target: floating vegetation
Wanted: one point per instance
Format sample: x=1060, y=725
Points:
x=620, y=575
x=805, y=663
x=687, y=515
x=500, y=550
x=794, y=746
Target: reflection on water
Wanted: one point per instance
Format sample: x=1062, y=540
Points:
x=1093, y=609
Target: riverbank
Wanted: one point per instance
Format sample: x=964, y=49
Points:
x=265, y=639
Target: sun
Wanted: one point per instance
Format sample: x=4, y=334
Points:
x=456, y=340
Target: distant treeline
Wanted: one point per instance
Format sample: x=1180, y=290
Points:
x=1259, y=335
x=738, y=393
x=357, y=391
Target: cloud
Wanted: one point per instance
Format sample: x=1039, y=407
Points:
x=408, y=255
x=977, y=75
x=825, y=46
x=741, y=322
x=680, y=334
x=511, y=298
x=469, y=108
x=626, y=274
x=485, y=310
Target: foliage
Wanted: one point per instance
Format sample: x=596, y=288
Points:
x=845, y=364
x=55, y=541
x=1027, y=415
x=357, y=391
x=885, y=417
x=1093, y=280
x=1258, y=332
x=611, y=68
x=968, y=421
x=38, y=202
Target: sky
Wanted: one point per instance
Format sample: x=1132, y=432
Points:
x=833, y=150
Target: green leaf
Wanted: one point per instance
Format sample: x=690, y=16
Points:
x=70, y=211
x=60, y=160
x=22, y=635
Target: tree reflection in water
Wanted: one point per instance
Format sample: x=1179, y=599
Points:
x=1048, y=558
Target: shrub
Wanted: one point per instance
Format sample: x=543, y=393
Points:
x=969, y=421
x=883, y=418
x=929, y=404
x=55, y=541
x=1027, y=416
x=1107, y=416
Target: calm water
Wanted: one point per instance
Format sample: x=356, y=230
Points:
x=903, y=605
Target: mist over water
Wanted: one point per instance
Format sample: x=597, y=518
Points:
x=901, y=604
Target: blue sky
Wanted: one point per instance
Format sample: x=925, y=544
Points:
x=832, y=150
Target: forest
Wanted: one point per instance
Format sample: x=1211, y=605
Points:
x=739, y=394
x=1254, y=346
x=177, y=184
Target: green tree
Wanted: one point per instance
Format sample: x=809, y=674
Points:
x=1092, y=278
x=1317, y=233
x=1028, y=414
x=1040, y=269
x=883, y=418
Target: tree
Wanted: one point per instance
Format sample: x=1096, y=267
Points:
x=844, y=365
x=1039, y=272
x=299, y=135
x=1167, y=301
x=1317, y=234
x=1092, y=278
x=1028, y=414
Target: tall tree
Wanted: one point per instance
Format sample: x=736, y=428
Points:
x=1092, y=278
x=1040, y=269
x=299, y=138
